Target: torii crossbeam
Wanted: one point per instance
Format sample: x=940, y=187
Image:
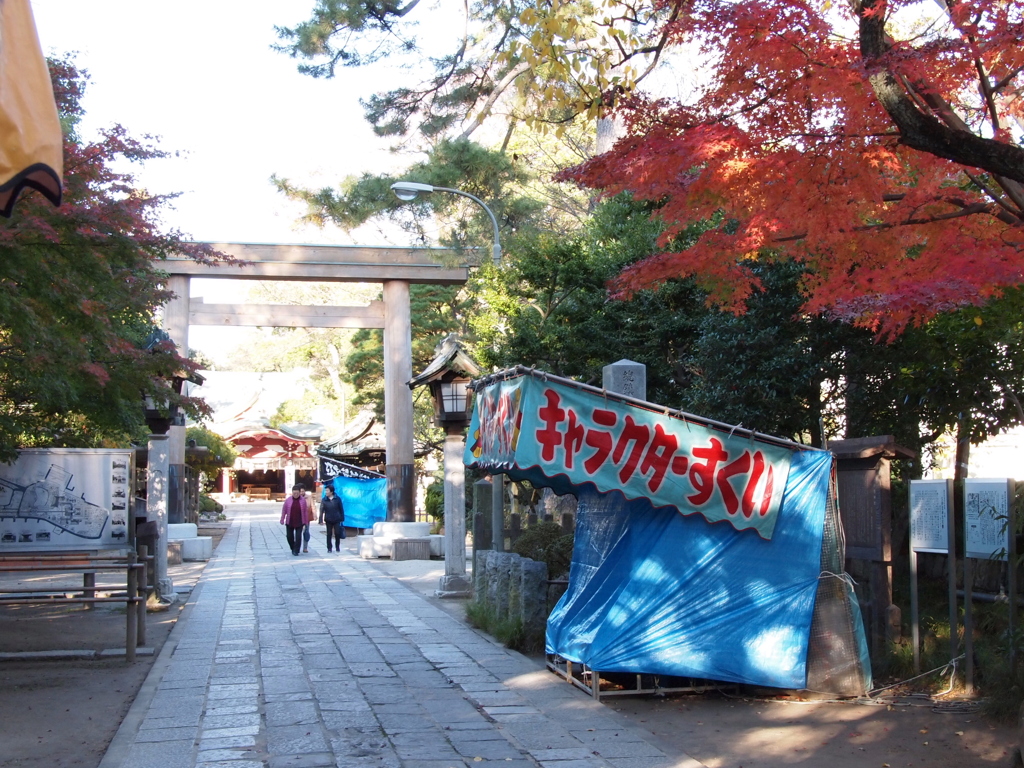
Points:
x=394, y=268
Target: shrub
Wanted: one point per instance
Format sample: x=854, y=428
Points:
x=433, y=503
x=207, y=505
x=546, y=543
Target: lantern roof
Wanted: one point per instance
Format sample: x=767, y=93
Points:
x=449, y=355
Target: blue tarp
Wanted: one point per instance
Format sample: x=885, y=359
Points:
x=652, y=590
x=365, y=500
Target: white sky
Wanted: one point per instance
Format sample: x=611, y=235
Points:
x=201, y=76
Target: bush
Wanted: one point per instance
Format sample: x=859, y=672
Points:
x=433, y=504
x=207, y=505
x=546, y=543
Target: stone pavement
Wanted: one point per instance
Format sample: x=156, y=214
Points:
x=325, y=660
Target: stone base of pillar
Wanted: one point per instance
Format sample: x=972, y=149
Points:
x=165, y=591
x=454, y=587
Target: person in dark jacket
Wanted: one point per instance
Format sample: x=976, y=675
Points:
x=332, y=512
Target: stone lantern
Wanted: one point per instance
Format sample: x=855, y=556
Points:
x=162, y=413
x=448, y=375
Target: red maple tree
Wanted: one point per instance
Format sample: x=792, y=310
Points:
x=875, y=142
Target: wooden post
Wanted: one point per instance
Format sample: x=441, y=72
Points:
x=954, y=643
x=968, y=626
x=915, y=632
x=132, y=620
x=89, y=588
x=143, y=592
x=1011, y=570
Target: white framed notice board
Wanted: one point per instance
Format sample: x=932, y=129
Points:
x=986, y=508
x=929, y=515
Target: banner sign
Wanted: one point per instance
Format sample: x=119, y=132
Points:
x=527, y=426
x=331, y=468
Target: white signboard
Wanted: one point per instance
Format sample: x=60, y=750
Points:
x=929, y=516
x=986, y=503
x=66, y=499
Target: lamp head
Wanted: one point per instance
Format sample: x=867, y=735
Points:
x=408, y=190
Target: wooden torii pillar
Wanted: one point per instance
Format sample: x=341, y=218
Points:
x=395, y=268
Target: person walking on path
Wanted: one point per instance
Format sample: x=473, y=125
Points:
x=332, y=512
x=295, y=517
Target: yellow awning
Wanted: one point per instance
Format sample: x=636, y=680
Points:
x=31, y=146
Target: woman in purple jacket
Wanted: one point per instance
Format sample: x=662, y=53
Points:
x=295, y=515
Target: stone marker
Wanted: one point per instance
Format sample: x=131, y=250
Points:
x=626, y=378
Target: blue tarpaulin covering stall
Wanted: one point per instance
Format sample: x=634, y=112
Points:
x=365, y=500
x=699, y=547
x=362, y=491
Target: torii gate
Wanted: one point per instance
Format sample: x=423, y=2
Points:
x=395, y=268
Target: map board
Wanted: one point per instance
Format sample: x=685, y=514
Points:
x=66, y=499
x=986, y=503
x=929, y=515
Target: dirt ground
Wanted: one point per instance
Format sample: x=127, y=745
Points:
x=733, y=731
x=723, y=732
x=63, y=714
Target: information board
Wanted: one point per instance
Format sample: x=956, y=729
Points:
x=986, y=503
x=929, y=515
x=66, y=498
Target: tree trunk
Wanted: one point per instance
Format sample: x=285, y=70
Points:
x=609, y=130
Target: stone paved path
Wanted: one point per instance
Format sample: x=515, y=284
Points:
x=322, y=660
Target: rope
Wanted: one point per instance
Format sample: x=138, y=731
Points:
x=940, y=670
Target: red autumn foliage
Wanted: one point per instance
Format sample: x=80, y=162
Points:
x=884, y=156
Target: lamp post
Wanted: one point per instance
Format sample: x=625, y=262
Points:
x=448, y=377
x=409, y=191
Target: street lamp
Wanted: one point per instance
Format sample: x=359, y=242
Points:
x=409, y=191
x=448, y=376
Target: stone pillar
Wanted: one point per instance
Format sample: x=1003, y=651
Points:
x=454, y=583
x=515, y=586
x=534, y=590
x=502, y=582
x=498, y=513
x=289, y=478
x=480, y=576
x=176, y=326
x=225, y=481
x=398, y=402
x=482, y=540
x=156, y=511
x=492, y=564
x=626, y=378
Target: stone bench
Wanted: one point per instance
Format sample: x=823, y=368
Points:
x=410, y=549
x=185, y=544
x=380, y=543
